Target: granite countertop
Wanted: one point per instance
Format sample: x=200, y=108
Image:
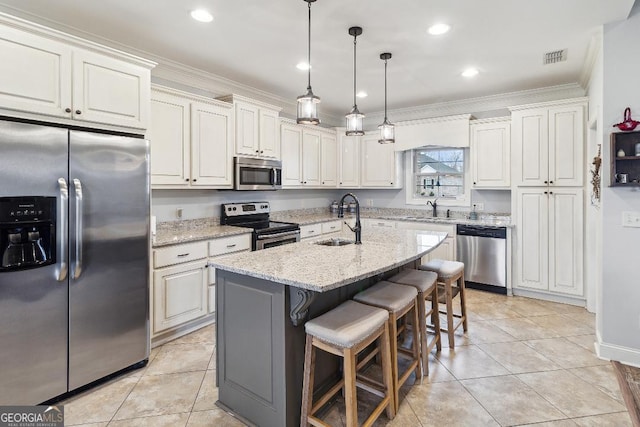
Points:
x=176, y=232
x=314, y=267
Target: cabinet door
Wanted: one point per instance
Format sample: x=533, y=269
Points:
x=269, y=138
x=349, y=161
x=566, y=249
x=378, y=163
x=491, y=155
x=329, y=161
x=107, y=90
x=291, y=140
x=211, y=146
x=533, y=238
x=310, y=158
x=169, y=136
x=530, y=137
x=179, y=295
x=35, y=73
x=247, y=129
x=446, y=251
x=566, y=141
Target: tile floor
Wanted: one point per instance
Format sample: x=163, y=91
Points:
x=522, y=362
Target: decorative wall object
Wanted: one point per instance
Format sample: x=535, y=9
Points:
x=595, y=178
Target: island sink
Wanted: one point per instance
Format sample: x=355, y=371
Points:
x=335, y=242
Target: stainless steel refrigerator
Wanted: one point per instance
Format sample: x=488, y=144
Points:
x=74, y=291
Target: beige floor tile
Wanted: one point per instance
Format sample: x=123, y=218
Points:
x=437, y=372
x=565, y=353
x=91, y=425
x=460, y=338
x=585, y=341
x=485, y=332
x=98, y=404
x=492, y=311
x=447, y=404
x=181, y=358
x=570, y=394
x=170, y=420
x=208, y=394
x=529, y=306
x=510, y=401
x=619, y=419
x=563, y=325
x=585, y=317
x=212, y=361
x=523, y=328
x=563, y=308
x=518, y=358
x=161, y=395
x=470, y=362
x=559, y=423
x=603, y=377
x=215, y=417
x=206, y=335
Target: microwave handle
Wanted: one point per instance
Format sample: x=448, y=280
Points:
x=274, y=176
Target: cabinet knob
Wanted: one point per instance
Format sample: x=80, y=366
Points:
x=474, y=183
x=261, y=151
x=546, y=182
x=391, y=183
x=550, y=182
x=187, y=179
x=550, y=192
x=546, y=192
x=78, y=112
x=67, y=110
x=194, y=180
x=257, y=151
x=323, y=182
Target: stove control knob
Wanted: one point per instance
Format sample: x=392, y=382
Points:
x=234, y=208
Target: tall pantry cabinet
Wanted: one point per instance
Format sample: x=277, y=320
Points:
x=548, y=187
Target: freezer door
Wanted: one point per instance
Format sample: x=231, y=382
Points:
x=109, y=250
x=33, y=303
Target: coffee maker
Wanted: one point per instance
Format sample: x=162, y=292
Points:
x=27, y=232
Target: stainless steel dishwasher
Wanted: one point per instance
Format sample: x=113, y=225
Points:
x=483, y=250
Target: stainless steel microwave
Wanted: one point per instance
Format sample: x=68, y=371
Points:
x=257, y=174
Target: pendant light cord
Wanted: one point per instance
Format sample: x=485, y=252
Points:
x=385, y=90
x=309, y=50
x=354, y=70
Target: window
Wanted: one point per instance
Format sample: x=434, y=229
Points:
x=438, y=173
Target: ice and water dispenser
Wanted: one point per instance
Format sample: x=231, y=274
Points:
x=27, y=232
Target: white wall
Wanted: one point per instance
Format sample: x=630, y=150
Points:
x=619, y=331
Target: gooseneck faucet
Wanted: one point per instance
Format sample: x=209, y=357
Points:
x=358, y=228
x=435, y=206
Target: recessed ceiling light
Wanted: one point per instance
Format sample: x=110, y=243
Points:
x=470, y=72
x=362, y=94
x=303, y=66
x=201, y=15
x=438, y=29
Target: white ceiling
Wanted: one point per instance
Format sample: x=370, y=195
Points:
x=258, y=42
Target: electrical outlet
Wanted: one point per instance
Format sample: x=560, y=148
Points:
x=370, y=203
x=479, y=206
x=631, y=219
x=179, y=213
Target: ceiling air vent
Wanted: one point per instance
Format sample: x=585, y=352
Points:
x=555, y=56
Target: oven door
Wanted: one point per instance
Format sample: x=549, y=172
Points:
x=279, y=239
x=257, y=174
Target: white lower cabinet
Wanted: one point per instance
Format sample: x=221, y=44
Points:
x=331, y=227
x=310, y=230
x=446, y=250
x=371, y=222
x=550, y=246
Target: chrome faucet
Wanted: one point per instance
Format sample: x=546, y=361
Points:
x=435, y=207
x=358, y=228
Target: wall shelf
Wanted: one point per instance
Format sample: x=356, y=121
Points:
x=628, y=164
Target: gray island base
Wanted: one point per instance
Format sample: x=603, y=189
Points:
x=263, y=299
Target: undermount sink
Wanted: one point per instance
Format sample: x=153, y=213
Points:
x=335, y=242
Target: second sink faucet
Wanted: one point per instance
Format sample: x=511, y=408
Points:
x=358, y=228
x=435, y=207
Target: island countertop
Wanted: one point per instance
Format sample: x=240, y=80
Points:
x=318, y=268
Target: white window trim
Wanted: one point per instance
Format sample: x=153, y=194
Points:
x=464, y=200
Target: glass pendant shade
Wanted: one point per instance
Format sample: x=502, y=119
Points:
x=387, y=129
x=354, y=118
x=308, y=103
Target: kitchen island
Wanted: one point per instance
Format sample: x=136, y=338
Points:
x=263, y=299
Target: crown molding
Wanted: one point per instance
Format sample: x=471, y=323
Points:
x=582, y=100
x=591, y=59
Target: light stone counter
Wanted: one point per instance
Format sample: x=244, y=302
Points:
x=176, y=232
x=318, y=268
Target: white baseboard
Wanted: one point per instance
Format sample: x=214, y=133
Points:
x=580, y=302
x=626, y=355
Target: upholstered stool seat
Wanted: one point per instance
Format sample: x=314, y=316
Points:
x=425, y=284
x=450, y=272
x=399, y=301
x=346, y=331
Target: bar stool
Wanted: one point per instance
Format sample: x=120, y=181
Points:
x=450, y=272
x=345, y=331
x=425, y=284
x=399, y=301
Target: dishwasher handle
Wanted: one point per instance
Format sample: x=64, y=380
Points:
x=482, y=231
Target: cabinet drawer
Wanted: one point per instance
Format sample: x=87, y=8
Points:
x=331, y=227
x=310, y=230
x=179, y=254
x=381, y=223
x=226, y=245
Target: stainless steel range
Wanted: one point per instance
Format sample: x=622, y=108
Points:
x=266, y=233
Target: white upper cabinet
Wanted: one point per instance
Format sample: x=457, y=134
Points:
x=548, y=145
x=348, y=160
x=191, y=141
x=308, y=156
x=291, y=142
x=491, y=153
x=380, y=164
x=311, y=158
x=257, y=133
x=328, y=160
x=43, y=75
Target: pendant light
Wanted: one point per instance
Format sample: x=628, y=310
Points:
x=387, y=129
x=308, y=103
x=354, y=118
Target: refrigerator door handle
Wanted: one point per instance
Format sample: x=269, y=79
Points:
x=77, y=267
x=62, y=266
